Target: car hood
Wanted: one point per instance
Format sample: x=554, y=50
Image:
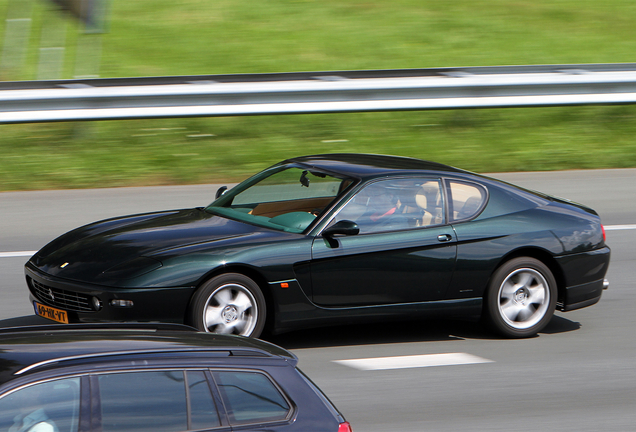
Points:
x=127, y=244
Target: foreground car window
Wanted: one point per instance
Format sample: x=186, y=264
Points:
x=250, y=397
x=52, y=406
x=203, y=413
x=155, y=402
x=284, y=198
x=396, y=204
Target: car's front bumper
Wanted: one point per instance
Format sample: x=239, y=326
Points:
x=94, y=303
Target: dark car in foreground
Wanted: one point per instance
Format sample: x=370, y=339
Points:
x=332, y=239
x=144, y=378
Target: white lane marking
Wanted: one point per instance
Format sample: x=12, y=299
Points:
x=413, y=361
x=619, y=227
x=17, y=254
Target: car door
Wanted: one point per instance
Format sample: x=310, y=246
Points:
x=170, y=400
x=404, y=252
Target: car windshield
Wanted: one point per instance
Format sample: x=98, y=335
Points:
x=285, y=197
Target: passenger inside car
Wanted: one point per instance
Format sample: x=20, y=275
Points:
x=32, y=416
x=51, y=406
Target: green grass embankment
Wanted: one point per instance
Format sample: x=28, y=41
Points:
x=162, y=37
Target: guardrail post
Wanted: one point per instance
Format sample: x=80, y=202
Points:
x=16, y=37
x=52, y=46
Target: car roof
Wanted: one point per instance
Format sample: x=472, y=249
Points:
x=370, y=165
x=30, y=349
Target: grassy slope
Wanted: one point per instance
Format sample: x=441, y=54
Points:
x=164, y=37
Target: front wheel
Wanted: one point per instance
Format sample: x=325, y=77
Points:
x=229, y=303
x=521, y=297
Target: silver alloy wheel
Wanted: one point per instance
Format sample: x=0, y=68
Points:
x=230, y=309
x=524, y=298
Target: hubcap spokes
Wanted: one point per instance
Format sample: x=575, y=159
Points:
x=524, y=297
x=231, y=309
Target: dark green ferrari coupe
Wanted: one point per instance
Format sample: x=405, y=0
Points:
x=332, y=239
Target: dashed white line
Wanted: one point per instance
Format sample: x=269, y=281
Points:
x=17, y=254
x=413, y=361
x=619, y=227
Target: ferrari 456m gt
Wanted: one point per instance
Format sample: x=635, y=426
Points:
x=332, y=239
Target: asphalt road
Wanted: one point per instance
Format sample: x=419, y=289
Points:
x=577, y=375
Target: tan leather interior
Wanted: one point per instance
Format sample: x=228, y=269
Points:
x=428, y=198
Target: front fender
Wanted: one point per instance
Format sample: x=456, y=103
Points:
x=274, y=260
x=187, y=270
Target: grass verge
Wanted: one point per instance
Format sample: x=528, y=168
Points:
x=163, y=37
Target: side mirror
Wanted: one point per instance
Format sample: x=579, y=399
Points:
x=220, y=191
x=344, y=227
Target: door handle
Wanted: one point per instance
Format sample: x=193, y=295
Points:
x=444, y=237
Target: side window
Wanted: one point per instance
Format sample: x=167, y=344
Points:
x=52, y=406
x=155, y=402
x=251, y=397
x=395, y=204
x=466, y=199
x=203, y=413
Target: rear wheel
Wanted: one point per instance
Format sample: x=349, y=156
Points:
x=521, y=297
x=230, y=303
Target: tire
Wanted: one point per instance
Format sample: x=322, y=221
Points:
x=521, y=298
x=230, y=303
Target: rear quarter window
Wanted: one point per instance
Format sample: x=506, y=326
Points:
x=251, y=397
x=466, y=199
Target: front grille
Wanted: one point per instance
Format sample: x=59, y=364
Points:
x=63, y=299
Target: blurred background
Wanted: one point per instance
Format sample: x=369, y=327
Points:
x=65, y=39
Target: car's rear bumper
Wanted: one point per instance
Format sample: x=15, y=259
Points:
x=583, y=295
x=584, y=277
x=94, y=303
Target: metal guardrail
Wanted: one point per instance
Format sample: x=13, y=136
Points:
x=317, y=92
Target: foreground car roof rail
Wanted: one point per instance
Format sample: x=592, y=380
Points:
x=98, y=326
x=226, y=351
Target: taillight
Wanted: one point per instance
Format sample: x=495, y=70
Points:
x=345, y=427
x=603, y=229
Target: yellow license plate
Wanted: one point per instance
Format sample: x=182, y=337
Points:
x=51, y=313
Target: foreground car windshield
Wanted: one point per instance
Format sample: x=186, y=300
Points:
x=286, y=198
